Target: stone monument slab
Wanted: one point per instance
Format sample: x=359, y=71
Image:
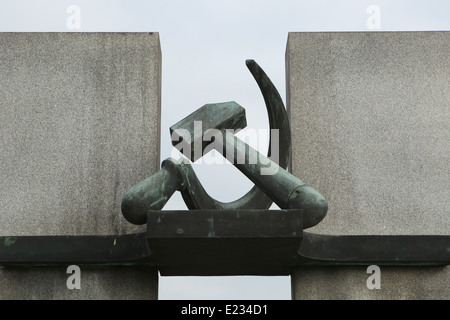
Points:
x=370, y=115
x=80, y=125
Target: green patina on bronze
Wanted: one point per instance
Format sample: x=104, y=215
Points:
x=9, y=241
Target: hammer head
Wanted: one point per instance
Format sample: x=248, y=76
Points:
x=219, y=116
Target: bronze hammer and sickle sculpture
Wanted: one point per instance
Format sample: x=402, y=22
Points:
x=281, y=187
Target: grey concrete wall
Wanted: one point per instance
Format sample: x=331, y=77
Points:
x=370, y=120
x=79, y=125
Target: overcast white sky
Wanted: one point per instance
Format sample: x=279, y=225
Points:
x=204, y=47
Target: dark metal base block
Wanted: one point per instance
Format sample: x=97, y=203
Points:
x=215, y=243
x=225, y=257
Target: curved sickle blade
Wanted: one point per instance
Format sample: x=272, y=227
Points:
x=278, y=118
x=194, y=194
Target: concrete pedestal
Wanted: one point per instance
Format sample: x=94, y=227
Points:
x=370, y=115
x=79, y=126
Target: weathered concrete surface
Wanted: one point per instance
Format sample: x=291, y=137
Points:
x=370, y=115
x=112, y=283
x=350, y=283
x=79, y=125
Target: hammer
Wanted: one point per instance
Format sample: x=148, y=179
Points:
x=283, y=188
x=154, y=192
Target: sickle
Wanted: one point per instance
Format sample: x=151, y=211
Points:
x=193, y=193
